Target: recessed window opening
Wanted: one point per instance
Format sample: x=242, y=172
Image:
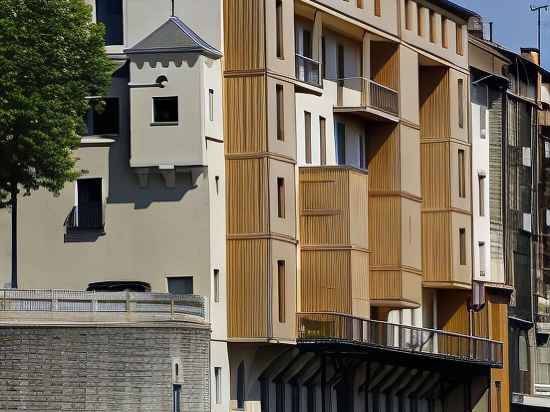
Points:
x=165, y=109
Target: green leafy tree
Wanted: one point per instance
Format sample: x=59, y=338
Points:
x=52, y=56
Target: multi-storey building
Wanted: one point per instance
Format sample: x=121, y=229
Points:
x=508, y=147
x=349, y=229
x=150, y=208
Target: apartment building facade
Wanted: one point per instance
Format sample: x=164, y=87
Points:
x=149, y=211
x=349, y=196
x=508, y=106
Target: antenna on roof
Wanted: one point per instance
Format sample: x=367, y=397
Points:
x=538, y=9
x=173, y=12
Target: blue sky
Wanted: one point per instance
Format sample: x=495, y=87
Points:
x=514, y=25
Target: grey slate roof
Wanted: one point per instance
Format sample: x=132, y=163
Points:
x=174, y=36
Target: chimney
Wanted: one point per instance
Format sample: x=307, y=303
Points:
x=475, y=26
x=532, y=54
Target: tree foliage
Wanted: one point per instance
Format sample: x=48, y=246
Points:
x=52, y=57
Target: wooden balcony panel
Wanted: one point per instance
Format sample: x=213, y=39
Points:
x=395, y=288
x=333, y=207
x=247, y=197
x=334, y=239
x=247, y=281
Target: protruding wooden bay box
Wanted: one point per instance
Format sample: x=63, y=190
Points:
x=334, y=240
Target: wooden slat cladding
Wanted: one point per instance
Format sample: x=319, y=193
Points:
x=434, y=103
x=384, y=158
x=386, y=285
x=245, y=114
x=247, y=279
x=385, y=64
x=244, y=35
x=334, y=237
x=247, y=198
x=325, y=281
x=497, y=308
x=360, y=284
x=435, y=175
x=453, y=316
x=436, y=246
x=359, y=206
x=395, y=288
x=333, y=207
x=385, y=231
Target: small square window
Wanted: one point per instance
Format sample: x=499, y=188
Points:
x=180, y=285
x=165, y=109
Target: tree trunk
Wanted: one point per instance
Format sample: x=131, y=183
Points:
x=14, y=237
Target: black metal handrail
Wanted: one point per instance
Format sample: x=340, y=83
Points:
x=316, y=326
x=86, y=217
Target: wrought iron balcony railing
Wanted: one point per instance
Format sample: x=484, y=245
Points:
x=337, y=327
x=307, y=70
x=161, y=305
x=363, y=92
x=86, y=217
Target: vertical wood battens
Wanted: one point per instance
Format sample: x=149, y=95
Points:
x=385, y=64
x=333, y=221
x=247, y=210
x=326, y=281
x=434, y=103
x=247, y=287
x=244, y=35
x=435, y=176
x=384, y=158
x=245, y=125
x=436, y=246
x=245, y=114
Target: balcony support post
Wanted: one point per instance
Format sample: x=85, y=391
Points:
x=365, y=69
x=317, y=36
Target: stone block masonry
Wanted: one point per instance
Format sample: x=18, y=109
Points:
x=114, y=369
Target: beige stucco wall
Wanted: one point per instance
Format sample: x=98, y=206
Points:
x=457, y=132
x=463, y=203
x=387, y=21
x=409, y=87
x=410, y=160
x=286, y=330
x=287, y=225
x=286, y=65
x=423, y=42
x=180, y=144
x=286, y=147
x=411, y=234
x=461, y=273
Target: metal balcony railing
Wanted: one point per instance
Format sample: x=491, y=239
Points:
x=86, y=217
x=363, y=92
x=67, y=301
x=338, y=327
x=307, y=70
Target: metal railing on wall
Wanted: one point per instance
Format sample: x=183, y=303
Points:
x=40, y=300
x=326, y=326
